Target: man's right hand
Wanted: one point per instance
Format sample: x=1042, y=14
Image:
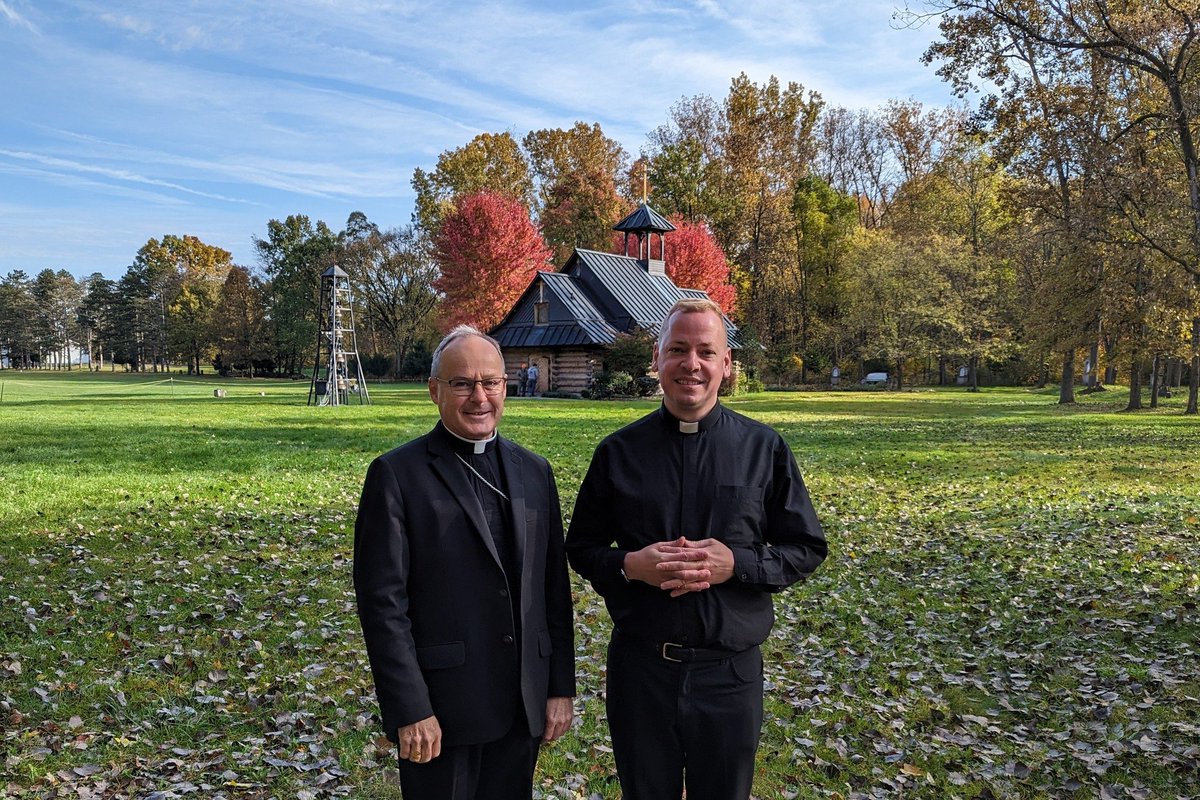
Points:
x=643, y=565
x=420, y=742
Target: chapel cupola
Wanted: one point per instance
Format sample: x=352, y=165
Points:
x=643, y=223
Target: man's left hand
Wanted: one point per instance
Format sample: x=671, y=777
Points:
x=707, y=563
x=559, y=713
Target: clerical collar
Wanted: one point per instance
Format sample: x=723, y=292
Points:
x=704, y=424
x=473, y=446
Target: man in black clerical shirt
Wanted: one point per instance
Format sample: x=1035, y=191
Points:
x=463, y=592
x=686, y=523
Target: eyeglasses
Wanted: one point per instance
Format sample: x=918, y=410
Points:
x=464, y=387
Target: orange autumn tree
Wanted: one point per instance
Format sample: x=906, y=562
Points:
x=696, y=261
x=488, y=250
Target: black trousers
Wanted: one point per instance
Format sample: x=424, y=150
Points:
x=499, y=770
x=695, y=723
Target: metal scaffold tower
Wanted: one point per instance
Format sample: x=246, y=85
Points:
x=333, y=378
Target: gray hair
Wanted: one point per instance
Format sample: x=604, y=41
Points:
x=459, y=332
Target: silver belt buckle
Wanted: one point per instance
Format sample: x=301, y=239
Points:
x=666, y=657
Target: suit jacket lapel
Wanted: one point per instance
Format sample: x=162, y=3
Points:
x=514, y=465
x=452, y=473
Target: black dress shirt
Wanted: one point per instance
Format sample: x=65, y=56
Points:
x=482, y=464
x=733, y=479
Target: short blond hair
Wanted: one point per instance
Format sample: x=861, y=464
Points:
x=689, y=305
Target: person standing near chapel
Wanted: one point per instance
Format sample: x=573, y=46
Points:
x=531, y=379
x=463, y=592
x=687, y=522
x=522, y=378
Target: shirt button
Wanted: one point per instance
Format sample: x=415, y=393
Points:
x=504, y=592
x=508, y=639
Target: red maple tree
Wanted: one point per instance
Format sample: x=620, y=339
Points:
x=696, y=261
x=488, y=250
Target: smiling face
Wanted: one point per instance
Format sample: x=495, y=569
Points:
x=692, y=358
x=477, y=415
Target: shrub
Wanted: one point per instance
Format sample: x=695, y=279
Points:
x=609, y=384
x=646, y=385
x=630, y=353
x=377, y=364
x=417, y=360
x=741, y=381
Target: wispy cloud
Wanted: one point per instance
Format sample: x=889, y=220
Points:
x=14, y=18
x=80, y=184
x=212, y=118
x=128, y=22
x=116, y=174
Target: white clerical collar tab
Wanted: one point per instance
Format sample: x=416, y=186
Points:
x=689, y=427
x=478, y=445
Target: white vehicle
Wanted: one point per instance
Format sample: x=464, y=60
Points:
x=878, y=379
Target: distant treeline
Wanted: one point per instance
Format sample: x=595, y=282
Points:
x=1052, y=233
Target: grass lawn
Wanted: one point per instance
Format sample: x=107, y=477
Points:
x=1008, y=609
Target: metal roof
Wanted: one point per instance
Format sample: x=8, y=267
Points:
x=588, y=326
x=644, y=218
x=644, y=298
x=605, y=294
x=553, y=335
x=571, y=294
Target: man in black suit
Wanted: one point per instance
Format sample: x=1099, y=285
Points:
x=463, y=592
x=687, y=522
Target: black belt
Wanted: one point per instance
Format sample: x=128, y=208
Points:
x=670, y=651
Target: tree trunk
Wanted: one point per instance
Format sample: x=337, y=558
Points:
x=1094, y=366
x=1066, y=389
x=1194, y=383
x=941, y=370
x=1135, y=384
x=1155, y=383
x=973, y=369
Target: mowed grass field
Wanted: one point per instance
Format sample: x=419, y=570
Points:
x=1008, y=609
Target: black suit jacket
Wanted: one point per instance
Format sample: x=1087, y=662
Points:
x=433, y=599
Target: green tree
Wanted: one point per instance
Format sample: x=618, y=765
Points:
x=56, y=297
x=766, y=137
x=393, y=273
x=901, y=301
x=684, y=161
x=147, y=289
x=240, y=323
x=575, y=173
x=98, y=318
x=490, y=161
x=18, y=310
x=823, y=222
x=293, y=256
x=202, y=270
x=581, y=210
x=1151, y=45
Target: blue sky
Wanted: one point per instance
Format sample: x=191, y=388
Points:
x=134, y=119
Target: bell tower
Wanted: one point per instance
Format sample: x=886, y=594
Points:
x=643, y=224
x=333, y=377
